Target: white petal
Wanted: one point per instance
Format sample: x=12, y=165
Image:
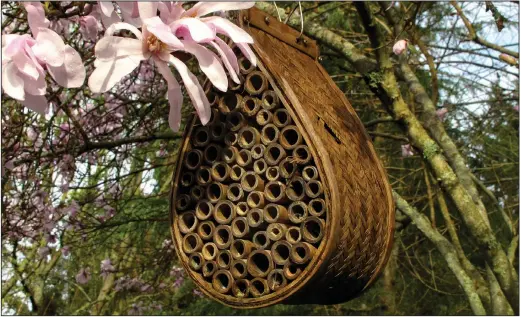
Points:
x=226, y=63
x=49, y=47
x=37, y=87
x=246, y=51
x=209, y=64
x=109, y=73
x=223, y=26
x=123, y=26
x=110, y=47
x=204, y=8
x=72, y=73
x=12, y=83
x=175, y=96
x=106, y=7
x=147, y=9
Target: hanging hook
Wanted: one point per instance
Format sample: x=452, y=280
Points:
x=278, y=13
x=299, y=38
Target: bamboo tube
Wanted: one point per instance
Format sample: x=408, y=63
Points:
x=205, y=230
x=183, y=202
x=293, y=234
x=256, y=83
x=217, y=131
x=215, y=192
x=187, y=179
x=224, y=259
x=272, y=173
x=252, y=182
x=222, y=236
x=236, y=86
x=291, y=271
x=244, y=158
x=269, y=134
x=242, y=209
x=297, y=212
x=290, y=137
x=229, y=103
x=270, y=100
x=259, y=263
x=235, y=121
x=194, y=158
x=261, y=240
x=263, y=117
x=192, y=243
x=235, y=192
x=220, y=171
x=302, y=252
x=250, y=106
x=209, y=268
x=245, y=66
x=224, y=212
x=214, y=117
x=241, y=288
x=240, y=249
x=257, y=151
x=312, y=229
x=309, y=173
x=281, y=118
x=259, y=287
x=274, y=213
x=201, y=137
x=255, y=218
x=256, y=199
x=213, y=98
x=230, y=139
x=209, y=251
x=276, y=231
x=276, y=280
x=195, y=261
x=196, y=193
x=248, y=137
x=317, y=207
x=260, y=166
x=238, y=268
x=203, y=176
x=187, y=222
x=229, y=154
x=222, y=281
x=287, y=167
x=212, y=153
x=275, y=192
x=204, y=210
x=296, y=189
x=240, y=228
x=280, y=252
x=314, y=188
x=301, y=155
x=237, y=173
x=274, y=153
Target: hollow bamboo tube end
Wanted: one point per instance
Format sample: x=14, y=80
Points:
x=242, y=209
x=203, y=176
x=212, y=153
x=230, y=139
x=238, y=268
x=216, y=192
x=257, y=151
x=223, y=237
x=276, y=280
x=217, y=131
x=195, y=261
x=269, y=134
x=255, y=199
x=183, y=202
x=312, y=229
x=209, y=251
x=196, y=193
x=296, y=189
x=187, y=222
x=314, y=188
x=236, y=173
x=301, y=155
x=302, y=252
x=235, y=192
x=274, y=153
x=187, y=179
x=290, y=137
x=255, y=218
x=274, y=213
x=317, y=207
x=281, y=118
x=248, y=137
x=240, y=227
x=240, y=249
x=241, y=288
x=260, y=166
x=209, y=268
x=229, y=103
x=275, y=192
x=194, y=158
x=263, y=117
x=291, y=271
x=205, y=230
x=293, y=235
x=252, y=182
x=297, y=212
x=259, y=287
x=204, y=210
x=309, y=173
x=272, y=173
x=270, y=100
x=250, y=106
x=224, y=259
x=201, y=137
x=280, y=252
x=287, y=167
x=244, y=158
x=222, y=281
x=276, y=231
x=256, y=83
x=229, y=154
x=245, y=66
x=235, y=121
x=261, y=240
x=260, y=263
x=224, y=212
x=192, y=243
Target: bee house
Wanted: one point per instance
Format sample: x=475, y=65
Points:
x=281, y=197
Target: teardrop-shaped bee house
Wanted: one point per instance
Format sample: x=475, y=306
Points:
x=281, y=197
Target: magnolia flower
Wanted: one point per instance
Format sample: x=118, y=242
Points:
x=399, y=47
x=407, y=150
x=116, y=57
x=89, y=27
x=441, y=113
x=83, y=276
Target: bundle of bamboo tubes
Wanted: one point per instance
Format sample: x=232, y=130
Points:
x=251, y=204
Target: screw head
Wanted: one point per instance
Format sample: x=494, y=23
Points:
x=267, y=20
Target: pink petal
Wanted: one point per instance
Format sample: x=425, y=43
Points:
x=162, y=32
x=36, y=103
x=226, y=62
x=247, y=52
x=109, y=73
x=36, y=17
x=199, y=31
x=147, y=9
x=12, y=83
x=107, y=21
x=204, y=8
x=89, y=27
x=126, y=6
x=229, y=53
x=106, y=7
x=49, y=47
x=72, y=73
x=12, y=44
x=209, y=63
x=26, y=65
x=229, y=29
x=175, y=96
x=110, y=47
x=194, y=90
x=123, y=26
x=130, y=13
x=37, y=87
